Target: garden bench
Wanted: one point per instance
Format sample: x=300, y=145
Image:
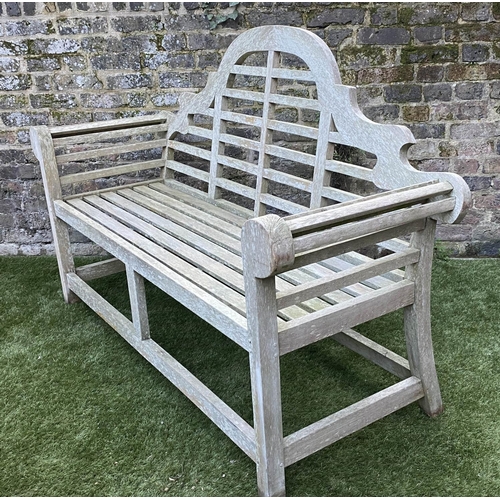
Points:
x=239, y=207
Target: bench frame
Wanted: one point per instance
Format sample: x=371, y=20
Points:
x=271, y=247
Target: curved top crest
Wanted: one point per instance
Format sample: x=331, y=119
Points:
x=389, y=143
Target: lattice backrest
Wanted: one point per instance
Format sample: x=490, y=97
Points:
x=266, y=130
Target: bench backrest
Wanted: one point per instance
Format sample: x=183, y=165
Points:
x=269, y=122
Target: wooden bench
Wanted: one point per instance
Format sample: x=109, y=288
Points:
x=240, y=208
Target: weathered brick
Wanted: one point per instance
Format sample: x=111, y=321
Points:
x=184, y=23
x=278, y=15
x=15, y=82
x=334, y=36
x=13, y=8
x=430, y=73
x=477, y=183
x=165, y=100
x=42, y=63
x=476, y=130
x=182, y=80
x=461, y=72
x=174, y=42
x=330, y=16
x=54, y=46
x=107, y=100
x=383, y=113
x=438, y=92
x=491, y=165
x=139, y=43
x=9, y=64
x=428, y=34
x=185, y=61
x=29, y=8
x=461, y=111
x=385, y=75
x=27, y=27
x=384, y=14
x=476, y=11
x=131, y=81
x=427, y=130
x=475, y=53
x=495, y=90
x=470, y=147
x=116, y=61
x=98, y=44
x=24, y=119
x=415, y=113
x=428, y=13
x=429, y=54
x=448, y=232
x=383, y=36
x=151, y=23
x=13, y=47
x=472, y=32
x=447, y=149
x=435, y=165
x=463, y=166
x=403, y=93
x=80, y=26
x=53, y=101
x=352, y=57
x=63, y=6
x=13, y=101
x=204, y=41
x=469, y=91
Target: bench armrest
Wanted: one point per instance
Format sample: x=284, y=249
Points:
x=272, y=244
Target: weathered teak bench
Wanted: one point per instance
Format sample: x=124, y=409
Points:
x=261, y=137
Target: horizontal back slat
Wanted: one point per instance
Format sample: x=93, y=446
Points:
x=114, y=150
x=110, y=172
x=106, y=136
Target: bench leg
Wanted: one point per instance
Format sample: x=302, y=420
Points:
x=417, y=319
x=266, y=386
x=138, y=306
x=65, y=262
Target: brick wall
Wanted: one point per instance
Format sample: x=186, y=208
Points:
x=434, y=67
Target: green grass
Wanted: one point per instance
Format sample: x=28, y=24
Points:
x=83, y=414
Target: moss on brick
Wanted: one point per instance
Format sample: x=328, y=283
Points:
x=365, y=56
x=431, y=54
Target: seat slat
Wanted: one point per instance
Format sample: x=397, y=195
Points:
x=184, y=252
x=196, y=220
x=201, y=202
x=168, y=224
x=219, y=290
x=207, y=305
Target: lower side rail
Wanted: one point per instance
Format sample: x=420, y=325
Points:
x=239, y=431
x=330, y=429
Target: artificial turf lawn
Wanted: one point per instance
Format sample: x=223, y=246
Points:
x=83, y=414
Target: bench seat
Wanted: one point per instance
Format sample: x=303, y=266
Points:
x=197, y=240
